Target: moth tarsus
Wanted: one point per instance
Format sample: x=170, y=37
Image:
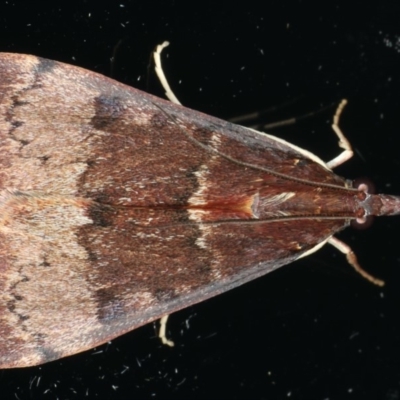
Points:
x=163, y=332
x=160, y=73
x=352, y=260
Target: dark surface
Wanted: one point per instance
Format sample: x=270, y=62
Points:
x=314, y=329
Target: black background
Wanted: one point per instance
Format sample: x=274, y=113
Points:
x=314, y=329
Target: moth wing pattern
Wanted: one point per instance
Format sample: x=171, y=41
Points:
x=118, y=207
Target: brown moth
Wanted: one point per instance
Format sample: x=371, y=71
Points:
x=118, y=207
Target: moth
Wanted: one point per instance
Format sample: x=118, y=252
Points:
x=118, y=207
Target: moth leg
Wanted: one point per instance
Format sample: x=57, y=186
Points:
x=352, y=260
x=343, y=141
x=171, y=96
x=160, y=73
x=162, y=334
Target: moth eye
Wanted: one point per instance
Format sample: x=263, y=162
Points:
x=362, y=222
x=364, y=184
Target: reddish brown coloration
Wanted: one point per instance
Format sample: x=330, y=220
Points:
x=118, y=207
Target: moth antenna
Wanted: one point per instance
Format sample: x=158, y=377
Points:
x=343, y=141
x=245, y=118
x=352, y=260
x=160, y=73
x=114, y=57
